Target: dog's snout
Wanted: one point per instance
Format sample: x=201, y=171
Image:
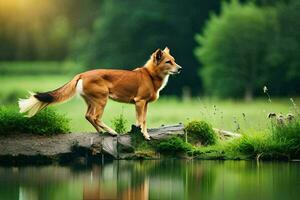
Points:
x=179, y=68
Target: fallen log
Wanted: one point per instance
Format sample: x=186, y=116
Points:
x=29, y=148
x=224, y=133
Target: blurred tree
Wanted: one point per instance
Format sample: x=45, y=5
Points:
x=43, y=30
x=127, y=32
x=285, y=79
x=234, y=49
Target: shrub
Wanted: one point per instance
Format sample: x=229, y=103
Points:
x=47, y=122
x=200, y=131
x=120, y=124
x=174, y=145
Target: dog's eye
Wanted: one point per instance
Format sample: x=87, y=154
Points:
x=169, y=62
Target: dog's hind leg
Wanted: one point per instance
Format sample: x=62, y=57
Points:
x=90, y=118
x=95, y=113
x=98, y=115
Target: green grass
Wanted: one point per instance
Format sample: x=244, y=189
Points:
x=277, y=142
x=230, y=115
x=44, y=123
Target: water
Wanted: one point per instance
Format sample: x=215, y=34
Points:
x=173, y=179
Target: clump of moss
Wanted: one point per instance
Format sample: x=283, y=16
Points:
x=174, y=145
x=138, y=140
x=46, y=122
x=200, y=131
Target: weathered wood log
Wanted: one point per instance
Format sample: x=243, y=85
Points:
x=14, y=147
x=224, y=133
x=23, y=147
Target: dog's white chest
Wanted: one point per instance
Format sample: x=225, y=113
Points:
x=164, y=83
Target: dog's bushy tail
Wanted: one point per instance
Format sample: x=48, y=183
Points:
x=40, y=100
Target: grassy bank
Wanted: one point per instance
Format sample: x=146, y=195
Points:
x=279, y=142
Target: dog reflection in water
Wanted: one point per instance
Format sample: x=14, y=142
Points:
x=96, y=191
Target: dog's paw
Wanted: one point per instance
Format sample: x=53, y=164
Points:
x=113, y=134
x=147, y=137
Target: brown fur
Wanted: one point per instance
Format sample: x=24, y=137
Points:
x=138, y=87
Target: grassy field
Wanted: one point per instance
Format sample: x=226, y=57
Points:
x=230, y=115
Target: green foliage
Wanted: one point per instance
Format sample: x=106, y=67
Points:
x=284, y=59
x=47, y=122
x=234, y=49
x=200, y=131
x=120, y=124
x=174, y=145
x=247, y=46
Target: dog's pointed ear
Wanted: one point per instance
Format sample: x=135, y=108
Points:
x=158, y=55
x=167, y=50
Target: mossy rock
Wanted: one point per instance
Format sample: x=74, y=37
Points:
x=200, y=133
x=174, y=145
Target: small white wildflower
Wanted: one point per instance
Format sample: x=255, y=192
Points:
x=265, y=89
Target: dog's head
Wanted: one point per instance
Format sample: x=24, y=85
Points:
x=163, y=63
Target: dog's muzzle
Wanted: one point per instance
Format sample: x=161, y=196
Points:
x=178, y=70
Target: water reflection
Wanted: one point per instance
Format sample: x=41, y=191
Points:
x=172, y=179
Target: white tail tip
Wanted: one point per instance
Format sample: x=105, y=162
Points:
x=30, y=105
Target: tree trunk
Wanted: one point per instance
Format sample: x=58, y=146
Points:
x=248, y=96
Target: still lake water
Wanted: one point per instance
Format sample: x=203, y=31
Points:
x=168, y=179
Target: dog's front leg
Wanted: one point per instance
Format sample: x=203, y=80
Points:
x=144, y=122
x=141, y=109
